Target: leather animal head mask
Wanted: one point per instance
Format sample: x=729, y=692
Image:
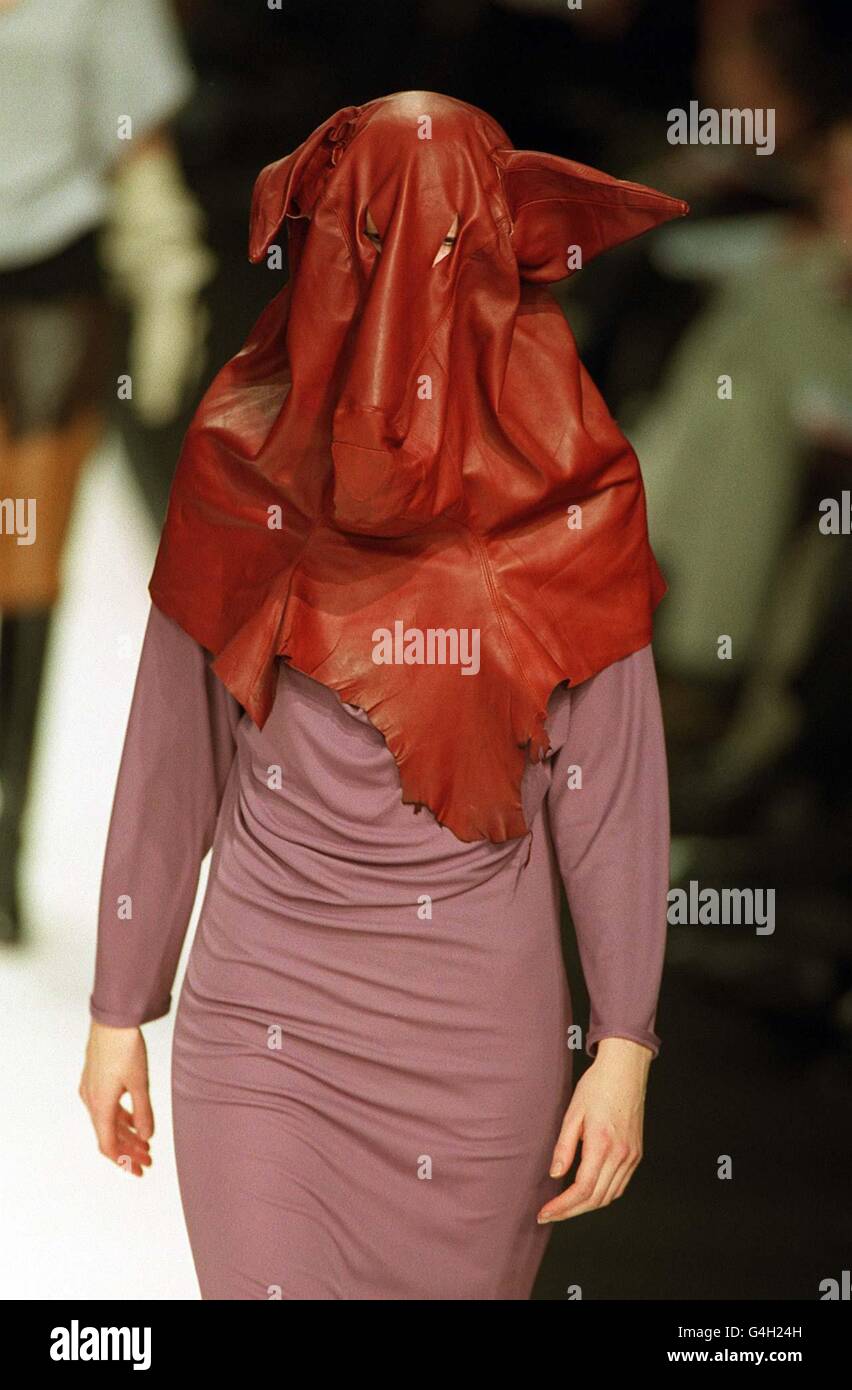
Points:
x=404, y=322
x=413, y=405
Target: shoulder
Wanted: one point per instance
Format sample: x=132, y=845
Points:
x=607, y=687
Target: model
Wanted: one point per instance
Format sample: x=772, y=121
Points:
x=397, y=675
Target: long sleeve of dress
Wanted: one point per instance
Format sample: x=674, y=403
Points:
x=178, y=750
x=608, y=809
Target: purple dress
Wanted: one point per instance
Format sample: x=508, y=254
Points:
x=373, y=1043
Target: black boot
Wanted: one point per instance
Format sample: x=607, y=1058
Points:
x=23, y=645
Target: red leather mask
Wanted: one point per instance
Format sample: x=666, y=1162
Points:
x=409, y=444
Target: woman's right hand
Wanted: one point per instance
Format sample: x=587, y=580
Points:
x=116, y=1061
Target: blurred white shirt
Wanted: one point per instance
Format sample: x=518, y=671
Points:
x=69, y=70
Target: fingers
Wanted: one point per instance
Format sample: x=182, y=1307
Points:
x=566, y=1145
x=623, y=1174
x=143, y=1115
x=116, y=1063
x=118, y=1140
x=116, y=1132
x=594, y=1176
x=104, y=1120
x=605, y=1169
x=134, y=1150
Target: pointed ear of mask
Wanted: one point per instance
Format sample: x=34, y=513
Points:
x=563, y=213
x=289, y=187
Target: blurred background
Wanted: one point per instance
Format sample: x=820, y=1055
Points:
x=723, y=347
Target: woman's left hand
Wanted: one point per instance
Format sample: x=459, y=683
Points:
x=606, y=1112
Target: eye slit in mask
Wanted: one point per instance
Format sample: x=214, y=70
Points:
x=373, y=234
x=449, y=241
x=371, y=231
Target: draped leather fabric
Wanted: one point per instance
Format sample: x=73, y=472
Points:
x=408, y=445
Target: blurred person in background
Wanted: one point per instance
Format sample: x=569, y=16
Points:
x=93, y=202
x=760, y=761
x=725, y=476
x=758, y=741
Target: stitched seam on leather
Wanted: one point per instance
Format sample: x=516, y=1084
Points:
x=344, y=230
x=295, y=567
x=498, y=609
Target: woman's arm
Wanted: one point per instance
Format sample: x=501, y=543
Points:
x=608, y=810
x=608, y=807
x=178, y=751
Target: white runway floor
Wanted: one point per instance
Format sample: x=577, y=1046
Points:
x=72, y=1225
